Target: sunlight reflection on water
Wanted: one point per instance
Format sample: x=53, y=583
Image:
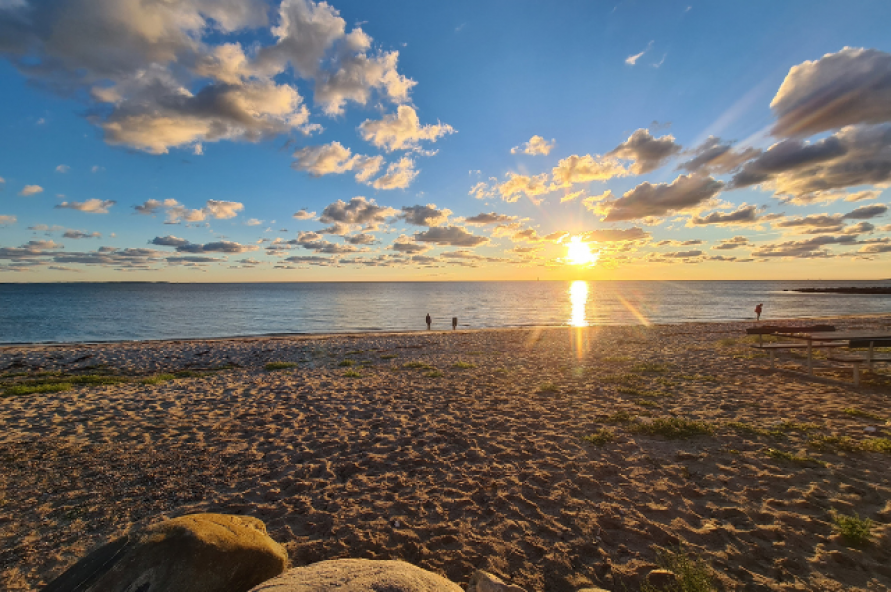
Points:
x=578, y=299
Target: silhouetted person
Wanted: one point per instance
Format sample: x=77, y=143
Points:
x=454, y=323
x=429, y=320
x=758, y=310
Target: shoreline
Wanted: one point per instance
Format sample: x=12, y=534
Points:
x=543, y=456
x=387, y=333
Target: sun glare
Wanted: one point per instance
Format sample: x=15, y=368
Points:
x=579, y=253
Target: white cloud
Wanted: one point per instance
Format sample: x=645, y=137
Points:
x=78, y=234
x=518, y=185
x=454, y=236
x=223, y=210
x=63, y=168
x=334, y=158
x=535, y=145
x=5, y=220
x=402, y=131
x=399, y=175
x=358, y=211
x=29, y=190
x=587, y=168
x=90, y=206
x=427, y=215
x=304, y=215
x=646, y=152
x=632, y=59
x=648, y=200
x=253, y=222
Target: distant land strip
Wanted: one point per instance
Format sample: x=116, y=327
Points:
x=851, y=290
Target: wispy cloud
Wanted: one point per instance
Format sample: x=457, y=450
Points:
x=632, y=60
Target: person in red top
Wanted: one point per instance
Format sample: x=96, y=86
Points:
x=758, y=310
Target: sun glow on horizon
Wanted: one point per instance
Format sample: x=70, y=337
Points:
x=579, y=253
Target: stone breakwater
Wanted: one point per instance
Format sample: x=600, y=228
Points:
x=554, y=459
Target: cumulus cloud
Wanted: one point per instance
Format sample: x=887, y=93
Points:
x=855, y=155
x=361, y=239
x=742, y=215
x=402, y=131
x=90, y=206
x=334, y=158
x=454, y=236
x=164, y=80
x=77, y=234
x=184, y=246
x=169, y=241
x=176, y=212
x=222, y=210
x=645, y=152
x=518, y=185
x=6, y=220
x=717, y=157
x=645, y=200
x=425, y=215
x=63, y=168
x=152, y=206
x=587, y=168
x=535, y=145
x=482, y=190
x=807, y=249
x=866, y=212
x=405, y=244
x=304, y=215
x=615, y=234
x=253, y=222
x=852, y=86
x=399, y=175
x=733, y=243
x=357, y=211
x=490, y=218
x=29, y=190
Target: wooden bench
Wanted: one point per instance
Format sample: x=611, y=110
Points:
x=857, y=360
x=773, y=347
x=762, y=330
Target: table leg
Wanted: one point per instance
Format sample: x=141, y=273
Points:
x=810, y=357
x=869, y=360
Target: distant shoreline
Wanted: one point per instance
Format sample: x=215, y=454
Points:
x=875, y=290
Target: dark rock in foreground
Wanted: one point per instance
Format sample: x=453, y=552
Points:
x=199, y=553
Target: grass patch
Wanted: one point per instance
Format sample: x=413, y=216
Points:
x=346, y=363
x=699, y=377
x=463, y=365
x=793, y=458
x=877, y=445
x=18, y=390
x=795, y=426
x=352, y=374
x=96, y=379
x=616, y=359
x=746, y=428
x=693, y=575
x=728, y=342
x=157, y=379
x=389, y=357
x=418, y=366
x=674, y=428
x=272, y=366
x=650, y=367
x=501, y=371
x=355, y=352
x=864, y=414
x=853, y=529
x=620, y=417
x=434, y=374
x=548, y=387
x=833, y=443
x=619, y=379
x=646, y=403
x=600, y=437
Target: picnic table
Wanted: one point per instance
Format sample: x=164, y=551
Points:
x=866, y=338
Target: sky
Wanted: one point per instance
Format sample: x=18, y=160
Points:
x=258, y=140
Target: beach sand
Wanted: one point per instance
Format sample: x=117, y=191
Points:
x=458, y=451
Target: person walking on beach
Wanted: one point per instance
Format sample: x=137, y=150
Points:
x=429, y=320
x=454, y=323
x=758, y=310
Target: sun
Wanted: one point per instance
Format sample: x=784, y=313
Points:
x=579, y=253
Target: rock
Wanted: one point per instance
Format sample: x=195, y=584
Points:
x=198, y=553
x=358, y=575
x=482, y=581
x=592, y=590
x=684, y=455
x=662, y=579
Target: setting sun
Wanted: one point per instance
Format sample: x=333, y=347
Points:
x=579, y=253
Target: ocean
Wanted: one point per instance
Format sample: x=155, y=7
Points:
x=91, y=312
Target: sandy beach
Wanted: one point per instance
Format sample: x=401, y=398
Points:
x=458, y=451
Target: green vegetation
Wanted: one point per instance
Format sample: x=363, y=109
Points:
x=749, y=429
x=600, y=437
x=389, y=356
x=833, y=443
x=674, y=428
x=877, y=445
x=96, y=379
x=158, y=378
x=33, y=389
x=646, y=403
x=352, y=374
x=853, y=529
x=620, y=417
x=418, y=366
x=693, y=575
x=463, y=365
x=699, y=377
x=638, y=392
x=354, y=352
x=272, y=366
x=864, y=414
x=434, y=374
x=619, y=379
x=346, y=363
x=793, y=458
x=727, y=342
x=650, y=367
x=616, y=359
x=548, y=387
x=794, y=426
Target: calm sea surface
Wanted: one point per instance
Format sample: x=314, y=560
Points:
x=33, y=313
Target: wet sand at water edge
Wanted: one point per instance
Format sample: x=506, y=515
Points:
x=554, y=458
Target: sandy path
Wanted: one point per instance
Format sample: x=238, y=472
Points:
x=455, y=468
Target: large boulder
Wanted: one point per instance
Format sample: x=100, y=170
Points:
x=358, y=575
x=195, y=553
x=482, y=581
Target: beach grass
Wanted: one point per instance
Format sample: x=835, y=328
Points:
x=620, y=417
x=601, y=437
x=158, y=378
x=18, y=390
x=434, y=374
x=352, y=374
x=346, y=363
x=673, y=428
x=273, y=366
x=854, y=412
x=650, y=367
x=418, y=366
x=855, y=530
x=693, y=574
x=463, y=365
x=797, y=459
x=548, y=387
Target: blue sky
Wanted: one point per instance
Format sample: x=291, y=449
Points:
x=176, y=141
